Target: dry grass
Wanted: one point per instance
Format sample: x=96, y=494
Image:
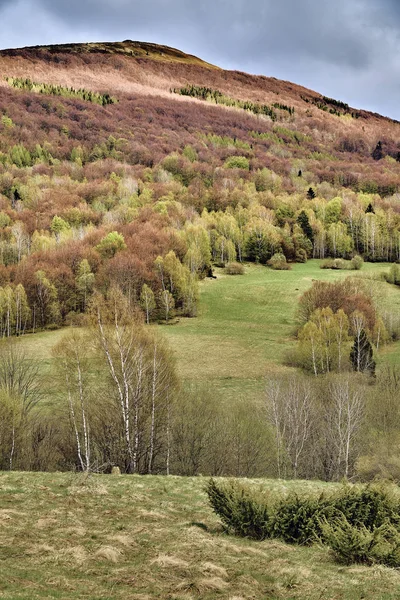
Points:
x=139, y=541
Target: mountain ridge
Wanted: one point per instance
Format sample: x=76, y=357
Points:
x=152, y=52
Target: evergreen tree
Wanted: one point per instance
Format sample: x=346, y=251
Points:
x=370, y=209
x=361, y=355
x=377, y=154
x=310, y=194
x=304, y=223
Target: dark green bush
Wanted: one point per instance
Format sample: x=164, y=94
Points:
x=296, y=519
x=351, y=544
x=241, y=510
x=301, y=519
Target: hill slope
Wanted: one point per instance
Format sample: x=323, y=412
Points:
x=134, y=538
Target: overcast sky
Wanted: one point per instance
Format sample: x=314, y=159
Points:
x=347, y=49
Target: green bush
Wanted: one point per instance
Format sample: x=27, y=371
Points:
x=301, y=255
x=393, y=275
x=241, y=510
x=237, y=162
x=351, y=544
x=334, y=263
x=356, y=263
x=302, y=519
x=278, y=262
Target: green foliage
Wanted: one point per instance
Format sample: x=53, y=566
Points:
x=7, y=122
x=5, y=220
x=356, y=263
x=289, y=109
x=338, y=264
x=59, y=90
x=278, y=262
x=210, y=95
x=393, y=275
x=234, y=268
x=241, y=509
x=351, y=544
x=190, y=153
x=224, y=141
x=304, y=223
x=112, y=243
x=20, y=156
x=311, y=194
x=237, y=162
x=58, y=225
x=302, y=519
x=291, y=135
x=334, y=107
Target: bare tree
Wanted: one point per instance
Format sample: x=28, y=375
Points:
x=20, y=384
x=290, y=411
x=73, y=354
x=346, y=408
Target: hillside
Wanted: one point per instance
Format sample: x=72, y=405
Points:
x=135, y=137
x=173, y=237
x=67, y=536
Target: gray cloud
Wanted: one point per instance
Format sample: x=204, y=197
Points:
x=347, y=49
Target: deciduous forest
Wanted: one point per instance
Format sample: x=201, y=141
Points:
x=129, y=175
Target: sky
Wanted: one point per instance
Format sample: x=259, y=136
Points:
x=345, y=49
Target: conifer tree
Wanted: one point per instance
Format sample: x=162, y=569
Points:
x=304, y=223
x=377, y=154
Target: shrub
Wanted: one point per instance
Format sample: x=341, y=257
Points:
x=301, y=519
x=112, y=243
x=393, y=275
x=334, y=263
x=356, y=263
x=351, y=544
x=296, y=519
x=242, y=510
x=234, y=268
x=301, y=255
x=237, y=162
x=278, y=262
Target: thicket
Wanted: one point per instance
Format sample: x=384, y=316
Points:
x=59, y=90
x=334, y=107
x=359, y=523
x=210, y=95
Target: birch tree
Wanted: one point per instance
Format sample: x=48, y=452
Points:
x=72, y=352
x=345, y=408
x=290, y=411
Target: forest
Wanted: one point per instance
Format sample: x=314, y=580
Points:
x=120, y=197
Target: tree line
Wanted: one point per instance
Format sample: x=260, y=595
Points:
x=59, y=90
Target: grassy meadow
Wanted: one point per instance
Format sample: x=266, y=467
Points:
x=244, y=328
x=246, y=325
x=68, y=537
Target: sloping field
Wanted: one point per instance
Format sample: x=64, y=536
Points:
x=244, y=328
x=246, y=324
x=140, y=538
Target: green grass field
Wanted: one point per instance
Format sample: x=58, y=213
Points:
x=246, y=323
x=244, y=327
x=140, y=538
